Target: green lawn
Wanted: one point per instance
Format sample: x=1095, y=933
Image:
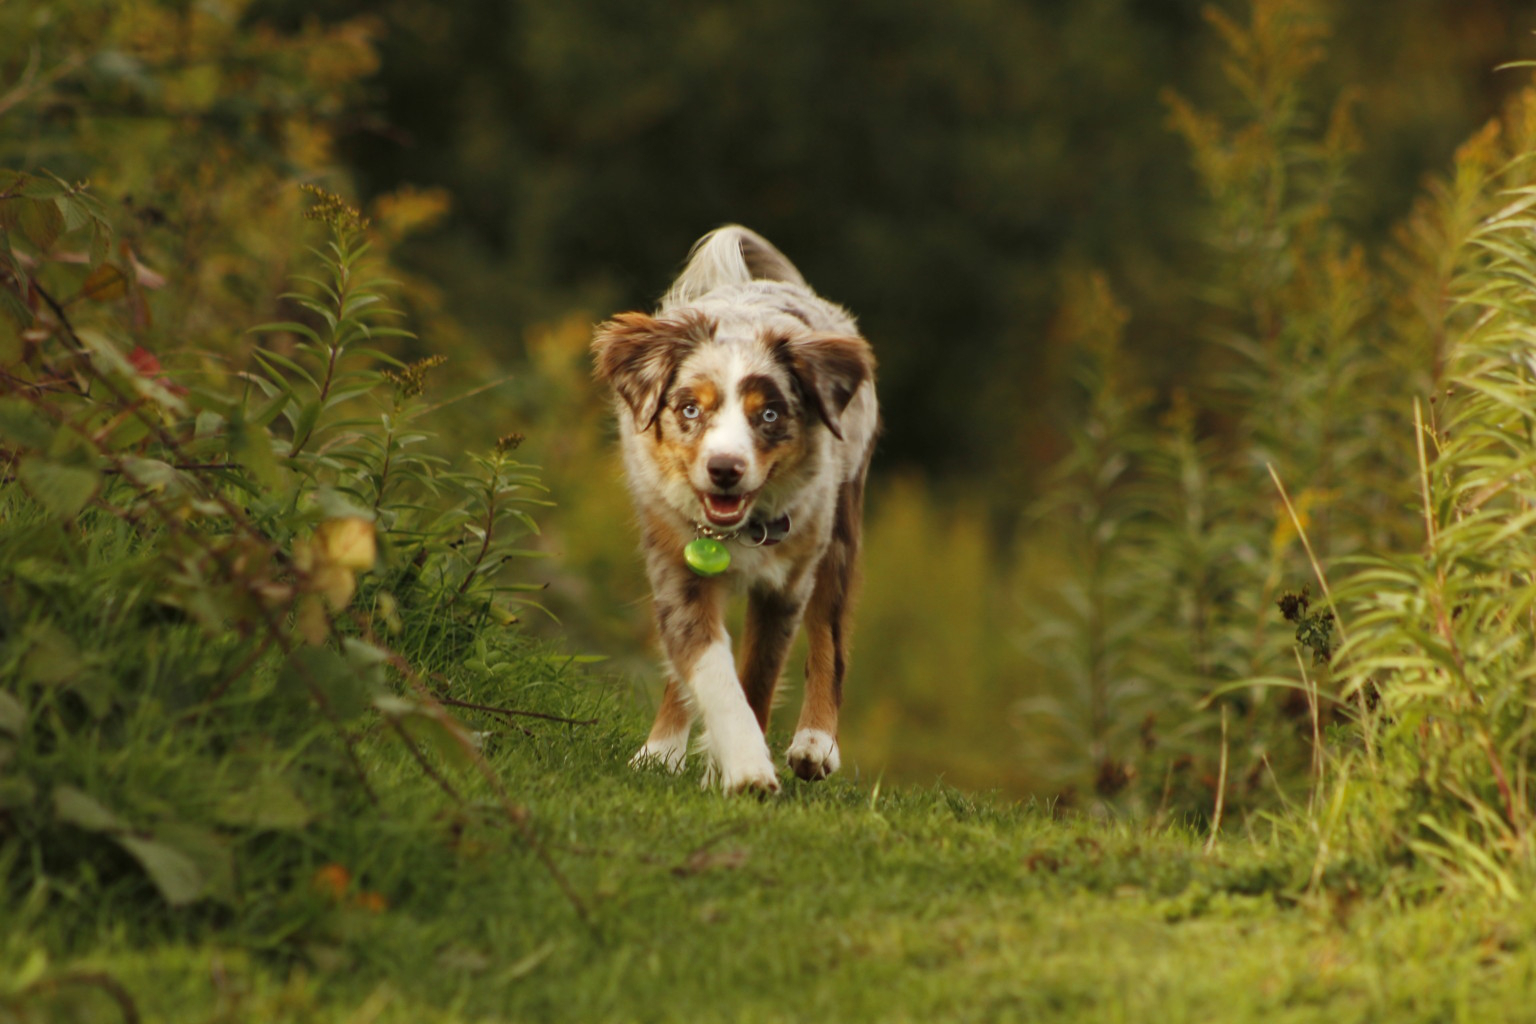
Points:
x=834, y=902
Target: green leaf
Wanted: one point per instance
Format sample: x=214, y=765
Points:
x=16, y=793
x=323, y=673
x=73, y=807
x=269, y=359
x=287, y=327
x=47, y=186
x=51, y=657
x=15, y=314
x=108, y=355
x=209, y=851
x=368, y=660
x=265, y=414
x=22, y=426
x=40, y=222
x=150, y=474
x=13, y=714
x=431, y=725
x=268, y=802
x=333, y=504
x=76, y=213
x=96, y=689
x=251, y=446
x=173, y=872
x=61, y=488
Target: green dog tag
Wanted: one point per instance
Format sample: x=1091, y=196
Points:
x=707, y=556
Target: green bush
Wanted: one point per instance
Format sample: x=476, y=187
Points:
x=1183, y=661
x=1438, y=644
x=214, y=594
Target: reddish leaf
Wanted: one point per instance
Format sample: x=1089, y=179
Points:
x=145, y=362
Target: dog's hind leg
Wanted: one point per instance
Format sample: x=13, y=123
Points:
x=667, y=744
x=813, y=753
x=772, y=618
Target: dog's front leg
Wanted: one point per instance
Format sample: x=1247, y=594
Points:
x=690, y=618
x=667, y=744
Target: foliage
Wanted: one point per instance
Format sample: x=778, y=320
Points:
x=934, y=167
x=1091, y=608
x=180, y=570
x=1183, y=555
x=243, y=580
x=1439, y=640
x=1398, y=704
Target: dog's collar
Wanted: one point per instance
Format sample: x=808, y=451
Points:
x=756, y=533
x=707, y=554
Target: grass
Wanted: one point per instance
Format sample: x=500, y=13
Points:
x=844, y=901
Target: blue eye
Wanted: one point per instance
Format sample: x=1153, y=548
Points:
x=690, y=411
x=770, y=415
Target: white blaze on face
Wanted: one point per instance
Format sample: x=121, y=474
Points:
x=729, y=433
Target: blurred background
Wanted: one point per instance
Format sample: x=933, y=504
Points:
x=944, y=170
x=1025, y=203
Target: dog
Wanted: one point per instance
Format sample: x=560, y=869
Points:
x=747, y=418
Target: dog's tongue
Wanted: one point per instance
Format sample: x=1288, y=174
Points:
x=724, y=508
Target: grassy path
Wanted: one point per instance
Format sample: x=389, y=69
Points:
x=838, y=902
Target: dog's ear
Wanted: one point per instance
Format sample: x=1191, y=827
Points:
x=829, y=369
x=639, y=355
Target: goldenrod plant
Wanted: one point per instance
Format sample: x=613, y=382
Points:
x=1438, y=644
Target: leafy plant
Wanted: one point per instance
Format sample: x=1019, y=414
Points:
x=1442, y=636
x=1175, y=516
x=201, y=566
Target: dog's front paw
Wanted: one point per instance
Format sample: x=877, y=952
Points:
x=744, y=775
x=813, y=755
x=759, y=779
x=670, y=754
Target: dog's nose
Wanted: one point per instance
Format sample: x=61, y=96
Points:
x=726, y=470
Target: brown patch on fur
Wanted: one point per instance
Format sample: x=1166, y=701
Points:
x=676, y=449
x=688, y=607
x=688, y=613
x=777, y=442
x=673, y=716
x=829, y=369
x=675, y=444
x=706, y=394
x=759, y=392
x=658, y=533
x=639, y=355
x=827, y=616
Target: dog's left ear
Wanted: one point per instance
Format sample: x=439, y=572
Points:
x=829, y=369
x=640, y=354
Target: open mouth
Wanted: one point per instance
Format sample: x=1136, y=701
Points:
x=725, y=509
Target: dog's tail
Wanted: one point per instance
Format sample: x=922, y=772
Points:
x=729, y=255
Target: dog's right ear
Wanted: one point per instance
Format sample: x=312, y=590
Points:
x=639, y=355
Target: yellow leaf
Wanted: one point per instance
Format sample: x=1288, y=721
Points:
x=335, y=583
x=105, y=284
x=348, y=542
x=310, y=621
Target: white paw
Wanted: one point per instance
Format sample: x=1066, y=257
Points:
x=813, y=755
x=668, y=753
x=743, y=771
x=754, y=778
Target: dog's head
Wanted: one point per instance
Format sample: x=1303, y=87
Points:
x=723, y=417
